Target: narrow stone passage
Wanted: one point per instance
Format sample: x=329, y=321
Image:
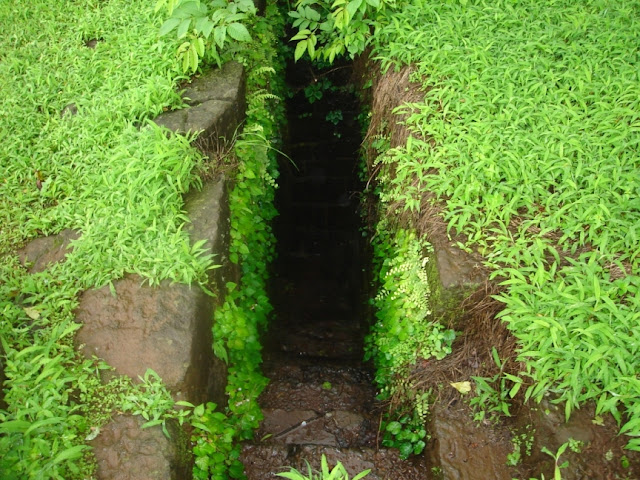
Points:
x=320, y=399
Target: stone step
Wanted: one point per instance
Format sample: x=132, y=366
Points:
x=313, y=341
x=336, y=428
x=320, y=396
x=311, y=371
x=264, y=461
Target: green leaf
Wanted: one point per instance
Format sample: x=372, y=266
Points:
x=202, y=463
x=205, y=26
x=236, y=470
x=13, y=426
x=324, y=466
x=190, y=8
x=301, y=47
x=362, y=474
x=311, y=47
x=238, y=32
x=405, y=450
x=301, y=35
x=292, y=475
x=168, y=25
x=496, y=357
x=183, y=27
x=192, y=53
x=201, y=426
x=220, y=35
x=70, y=454
x=151, y=423
x=394, y=427
x=353, y=6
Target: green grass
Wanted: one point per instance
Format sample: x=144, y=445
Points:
x=105, y=172
x=118, y=184
x=534, y=110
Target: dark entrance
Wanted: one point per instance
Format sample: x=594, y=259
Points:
x=320, y=400
x=318, y=227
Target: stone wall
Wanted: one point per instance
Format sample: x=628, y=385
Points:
x=166, y=328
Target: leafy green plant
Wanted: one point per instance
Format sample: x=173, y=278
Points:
x=124, y=193
x=330, y=29
x=334, y=117
x=215, y=444
x=38, y=438
x=522, y=445
x=206, y=27
x=238, y=323
x=575, y=445
x=493, y=394
x=337, y=473
x=531, y=150
x=403, y=333
x=557, y=474
x=316, y=89
x=407, y=434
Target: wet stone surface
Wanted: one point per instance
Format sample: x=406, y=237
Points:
x=462, y=449
x=126, y=452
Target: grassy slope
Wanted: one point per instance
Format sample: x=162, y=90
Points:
x=535, y=112
x=118, y=184
x=99, y=173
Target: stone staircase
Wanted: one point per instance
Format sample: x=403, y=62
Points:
x=320, y=399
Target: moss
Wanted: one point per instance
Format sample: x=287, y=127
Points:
x=445, y=303
x=183, y=458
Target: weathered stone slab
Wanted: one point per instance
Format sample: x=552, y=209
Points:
x=217, y=105
x=456, y=268
x=209, y=219
x=166, y=328
x=296, y=427
x=454, y=274
x=40, y=253
x=462, y=449
x=124, y=451
x=227, y=83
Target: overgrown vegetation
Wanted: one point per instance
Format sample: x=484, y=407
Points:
x=330, y=29
x=78, y=152
x=243, y=316
x=403, y=333
x=80, y=82
x=528, y=138
x=209, y=30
